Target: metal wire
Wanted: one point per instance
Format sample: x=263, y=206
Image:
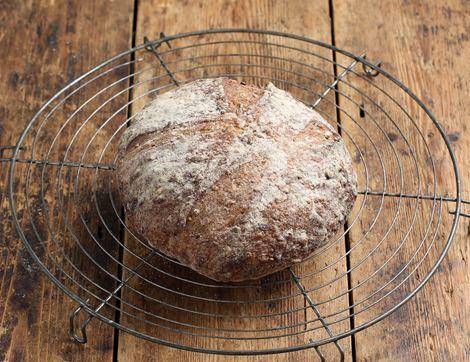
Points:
x=400, y=234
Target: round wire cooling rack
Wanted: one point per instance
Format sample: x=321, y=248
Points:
x=67, y=211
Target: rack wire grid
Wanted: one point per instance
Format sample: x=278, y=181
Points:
x=72, y=222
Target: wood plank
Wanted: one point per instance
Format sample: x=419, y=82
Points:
x=425, y=45
x=46, y=45
x=182, y=16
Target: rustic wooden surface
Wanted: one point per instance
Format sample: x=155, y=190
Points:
x=45, y=44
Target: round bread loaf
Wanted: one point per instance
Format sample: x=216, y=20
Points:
x=234, y=181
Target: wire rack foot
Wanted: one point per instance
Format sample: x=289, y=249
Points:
x=319, y=316
x=83, y=339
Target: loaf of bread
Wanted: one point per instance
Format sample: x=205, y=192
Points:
x=234, y=181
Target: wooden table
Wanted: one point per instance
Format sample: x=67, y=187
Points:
x=45, y=44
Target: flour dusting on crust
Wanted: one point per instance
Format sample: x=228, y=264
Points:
x=233, y=180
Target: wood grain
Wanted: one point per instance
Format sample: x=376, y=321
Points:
x=45, y=45
x=424, y=44
x=152, y=18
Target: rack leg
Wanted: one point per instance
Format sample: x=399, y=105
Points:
x=83, y=338
x=317, y=313
x=344, y=73
x=153, y=49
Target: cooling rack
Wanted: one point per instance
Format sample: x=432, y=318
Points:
x=67, y=211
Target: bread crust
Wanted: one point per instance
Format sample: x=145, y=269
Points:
x=232, y=180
